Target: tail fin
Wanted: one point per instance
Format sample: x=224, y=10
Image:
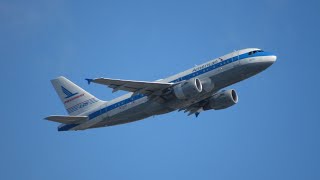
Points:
x=75, y=99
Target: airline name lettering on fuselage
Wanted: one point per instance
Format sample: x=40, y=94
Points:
x=73, y=98
x=206, y=65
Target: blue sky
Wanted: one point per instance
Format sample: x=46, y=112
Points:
x=272, y=133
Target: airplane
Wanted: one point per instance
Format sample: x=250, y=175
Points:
x=193, y=91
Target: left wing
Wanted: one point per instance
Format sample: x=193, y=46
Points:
x=137, y=87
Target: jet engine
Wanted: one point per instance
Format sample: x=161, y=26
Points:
x=187, y=89
x=222, y=100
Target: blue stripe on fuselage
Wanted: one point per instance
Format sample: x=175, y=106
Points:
x=186, y=77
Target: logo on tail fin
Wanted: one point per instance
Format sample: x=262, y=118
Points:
x=67, y=92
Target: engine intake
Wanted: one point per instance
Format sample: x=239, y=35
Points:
x=188, y=88
x=222, y=100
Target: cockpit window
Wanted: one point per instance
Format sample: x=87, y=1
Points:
x=253, y=52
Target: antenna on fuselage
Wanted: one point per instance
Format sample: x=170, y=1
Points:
x=237, y=52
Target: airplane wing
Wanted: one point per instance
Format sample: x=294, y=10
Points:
x=67, y=119
x=142, y=87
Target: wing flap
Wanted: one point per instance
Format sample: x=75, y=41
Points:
x=195, y=108
x=143, y=87
x=67, y=119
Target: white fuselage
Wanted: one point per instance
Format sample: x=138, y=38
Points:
x=220, y=72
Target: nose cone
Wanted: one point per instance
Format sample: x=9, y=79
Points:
x=264, y=60
x=267, y=59
x=271, y=59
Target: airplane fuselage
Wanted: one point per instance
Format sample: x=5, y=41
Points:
x=218, y=73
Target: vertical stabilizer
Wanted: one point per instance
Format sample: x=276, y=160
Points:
x=75, y=99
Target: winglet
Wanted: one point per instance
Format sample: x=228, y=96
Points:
x=89, y=80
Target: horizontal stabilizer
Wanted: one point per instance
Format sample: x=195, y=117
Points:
x=67, y=119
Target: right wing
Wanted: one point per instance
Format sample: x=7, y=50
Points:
x=67, y=119
x=142, y=87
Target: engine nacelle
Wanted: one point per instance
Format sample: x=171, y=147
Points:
x=188, y=88
x=222, y=100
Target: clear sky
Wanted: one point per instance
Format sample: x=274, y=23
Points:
x=272, y=133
